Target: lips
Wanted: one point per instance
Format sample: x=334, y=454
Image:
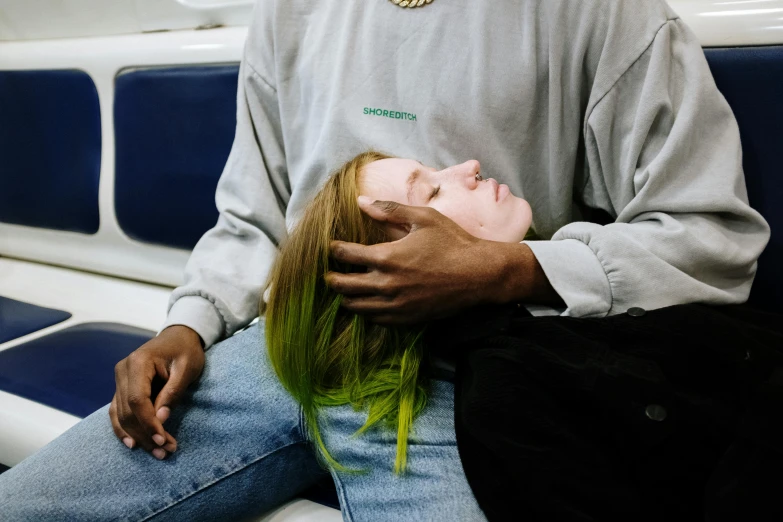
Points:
x=495, y=187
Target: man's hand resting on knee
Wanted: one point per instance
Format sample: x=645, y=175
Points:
x=151, y=381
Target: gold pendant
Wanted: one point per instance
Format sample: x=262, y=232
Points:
x=411, y=3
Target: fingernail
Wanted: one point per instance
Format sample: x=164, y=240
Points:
x=364, y=200
x=128, y=442
x=159, y=439
x=159, y=453
x=163, y=413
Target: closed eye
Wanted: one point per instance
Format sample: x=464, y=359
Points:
x=435, y=192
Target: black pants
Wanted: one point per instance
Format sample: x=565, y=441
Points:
x=671, y=415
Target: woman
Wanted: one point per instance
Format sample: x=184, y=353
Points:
x=638, y=416
x=326, y=357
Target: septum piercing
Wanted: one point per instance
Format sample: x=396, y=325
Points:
x=479, y=177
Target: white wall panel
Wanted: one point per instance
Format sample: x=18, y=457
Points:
x=185, y=14
x=37, y=19
x=727, y=23
x=41, y=19
x=717, y=22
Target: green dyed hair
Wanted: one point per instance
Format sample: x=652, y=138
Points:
x=324, y=355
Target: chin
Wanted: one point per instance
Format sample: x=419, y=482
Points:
x=522, y=219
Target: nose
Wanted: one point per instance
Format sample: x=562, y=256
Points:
x=469, y=172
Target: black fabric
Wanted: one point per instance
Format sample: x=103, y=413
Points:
x=323, y=492
x=671, y=415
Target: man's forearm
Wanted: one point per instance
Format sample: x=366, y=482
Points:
x=521, y=278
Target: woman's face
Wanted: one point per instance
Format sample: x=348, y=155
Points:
x=483, y=208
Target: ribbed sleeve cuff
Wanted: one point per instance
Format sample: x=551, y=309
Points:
x=577, y=276
x=199, y=314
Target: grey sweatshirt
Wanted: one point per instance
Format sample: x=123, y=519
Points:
x=575, y=104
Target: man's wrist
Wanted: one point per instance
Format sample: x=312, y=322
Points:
x=520, y=278
x=184, y=333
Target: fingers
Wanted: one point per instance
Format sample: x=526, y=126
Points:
x=366, y=294
x=159, y=371
x=389, y=320
x=369, y=305
x=356, y=254
x=139, y=398
x=385, y=310
x=163, y=413
x=134, y=420
x=399, y=216
x=171, y=443
x=180, y=375
x=359, y=284
x=397, y=213
x=386, y=314
x=115, y=425
x=126, y=427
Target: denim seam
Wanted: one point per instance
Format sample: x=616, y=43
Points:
x=344, y=509
x=210, y=484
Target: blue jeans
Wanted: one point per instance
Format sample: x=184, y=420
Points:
x=242, y=451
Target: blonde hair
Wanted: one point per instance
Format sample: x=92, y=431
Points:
x=323, y=355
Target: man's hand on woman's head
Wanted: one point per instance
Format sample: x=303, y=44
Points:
x=174, y=358
x=435, y=270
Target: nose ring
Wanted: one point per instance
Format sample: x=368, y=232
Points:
x=479, y=177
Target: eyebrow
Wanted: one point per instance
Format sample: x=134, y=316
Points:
x=411, y=182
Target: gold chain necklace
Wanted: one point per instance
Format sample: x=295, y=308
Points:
x=411, y=3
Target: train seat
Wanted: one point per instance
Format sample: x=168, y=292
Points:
x=62, y=330
x=18, y=319
x=751, y=80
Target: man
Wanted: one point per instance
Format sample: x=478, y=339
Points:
x=582, y=107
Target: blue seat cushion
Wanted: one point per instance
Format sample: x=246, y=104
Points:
x=174, y=128
x=50, y=145
x=71, y=370
x=751, y=79
x=18, y=318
